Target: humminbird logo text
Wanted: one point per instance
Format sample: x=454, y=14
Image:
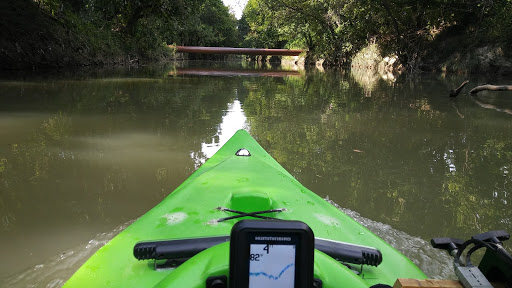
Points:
x=269, y=238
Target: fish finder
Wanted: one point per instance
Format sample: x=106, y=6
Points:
x=271, y=253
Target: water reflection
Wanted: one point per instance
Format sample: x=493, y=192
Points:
x=81, y=157
x=496, y=107
x=233, y=120
x=369, y=78
x=54, y=271
x=234, y=72
x=424, y=155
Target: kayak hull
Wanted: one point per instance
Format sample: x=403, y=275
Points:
x=243, y=183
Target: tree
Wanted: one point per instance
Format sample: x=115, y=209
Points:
x=336, y=29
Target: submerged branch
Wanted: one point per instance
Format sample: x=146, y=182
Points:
x=455, y=92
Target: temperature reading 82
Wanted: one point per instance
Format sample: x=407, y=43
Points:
x=256, y=256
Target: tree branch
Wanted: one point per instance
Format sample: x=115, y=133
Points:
x=455, y=92
x=491, y=88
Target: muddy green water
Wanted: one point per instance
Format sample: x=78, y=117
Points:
x=82, y=155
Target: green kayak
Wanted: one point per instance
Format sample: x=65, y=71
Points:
x=184, y=240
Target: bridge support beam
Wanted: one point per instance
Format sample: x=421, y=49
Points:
x=239, y=51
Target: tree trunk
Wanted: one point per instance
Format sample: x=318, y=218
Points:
x=491, y=88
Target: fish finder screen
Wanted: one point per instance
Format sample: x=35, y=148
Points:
x=272, y=265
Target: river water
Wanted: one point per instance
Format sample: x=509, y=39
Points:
x=84, y=154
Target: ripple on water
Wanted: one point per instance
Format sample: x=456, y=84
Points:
x=55, y=271
x=434, y=263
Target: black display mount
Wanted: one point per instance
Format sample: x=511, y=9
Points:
x=271, y=253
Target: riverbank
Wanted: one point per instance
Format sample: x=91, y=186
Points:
x=34, y=39
x=482, y=59
x=488, y=59
x=38, y=38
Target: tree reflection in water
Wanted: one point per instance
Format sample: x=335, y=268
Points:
x=101, y=152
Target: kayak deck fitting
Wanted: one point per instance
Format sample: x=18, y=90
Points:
x=184, y=240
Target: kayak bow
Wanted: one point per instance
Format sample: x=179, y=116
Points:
x=189, y=230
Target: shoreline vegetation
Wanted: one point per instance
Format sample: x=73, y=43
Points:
x=387, y=36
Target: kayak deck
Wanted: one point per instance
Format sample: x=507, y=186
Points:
x=246, y=184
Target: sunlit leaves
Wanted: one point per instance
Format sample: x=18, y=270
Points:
x=144, y=27
x=336, y=29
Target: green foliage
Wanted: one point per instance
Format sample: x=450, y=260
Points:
x=138, y=28
x=99, y=41
x=219, y=26
x=150, y=23
x=147, y=42
x=264, y=30
x=49, y=6
x=337, y=29
x=334, y=30
x=498, y=26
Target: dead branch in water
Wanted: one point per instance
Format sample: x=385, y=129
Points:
x=455, y=92
x=491, y=88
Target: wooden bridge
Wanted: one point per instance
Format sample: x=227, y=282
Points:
x=239, y=51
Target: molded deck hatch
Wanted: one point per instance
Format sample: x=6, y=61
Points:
x=250, y=201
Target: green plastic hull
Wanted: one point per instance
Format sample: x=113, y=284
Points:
x=246, y=184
